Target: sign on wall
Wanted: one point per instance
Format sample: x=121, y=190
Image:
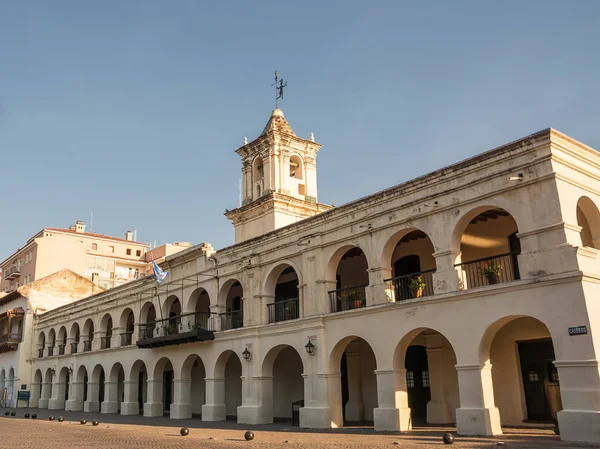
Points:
x=578, y=330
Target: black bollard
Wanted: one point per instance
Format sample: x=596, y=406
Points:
x=26, y=415
x=12, y=414
x=34, y=416
x=184, y=431
x=95, y=422
x=6, y=413
x=249, y=435
x=50, y=418
x=448, y=438
x=83, y=421
x=61, y=419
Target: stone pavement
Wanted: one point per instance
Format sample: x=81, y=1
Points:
x=116, y=432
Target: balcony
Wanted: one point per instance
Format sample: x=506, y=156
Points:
x=185, y=328
x=61, y=349
x=284, y=310
x=348, y=298
x=50, y=351
x=404, y=286
x=105, y=342
x=489, y=271
x=87, y=346
x=40, y=353
x=74, y=347
x=12, y=272
x=9, y=342
x=127, y=338
x=232, y=320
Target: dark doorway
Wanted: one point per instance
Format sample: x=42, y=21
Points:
x=345, y=395
x=85, y=387
x=101, y=388
x=540, y=380
x=417, y=383
x=141, y=380
x=168, y=389
x=407, y=265
x=515, y=250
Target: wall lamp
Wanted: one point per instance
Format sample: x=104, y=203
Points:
x=247, y=355
x=310, y=348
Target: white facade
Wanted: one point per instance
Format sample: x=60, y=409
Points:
x=467, y=348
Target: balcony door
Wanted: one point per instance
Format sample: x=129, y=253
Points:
x=407, y=265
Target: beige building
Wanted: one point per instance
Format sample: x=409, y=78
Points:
x=467, y=296
x=110, y=261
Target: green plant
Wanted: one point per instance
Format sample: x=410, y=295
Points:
x=417, y=283
x=491, y=268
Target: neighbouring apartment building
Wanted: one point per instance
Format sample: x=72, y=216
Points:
x=467, y=297
x=109, y=261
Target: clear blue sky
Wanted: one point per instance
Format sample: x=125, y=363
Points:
x=133, y=109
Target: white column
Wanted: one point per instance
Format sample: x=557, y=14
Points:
x=316, y=413
x=111, y=397
x=259, y=408
x=92, y=404
x=36, y=393
x=154, y=404
x=45, y=397
x=76, y=399
x=437, y=408
x=214, y=409
x=446, y=276
x=392, y=413
x=477, y=414
x=355, y=409
x=181, y=408
x=130, y=406
x=579, y=419
x=378, y=292
x=57, y=401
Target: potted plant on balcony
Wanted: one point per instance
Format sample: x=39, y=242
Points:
x=491, y=271
x=416, y=286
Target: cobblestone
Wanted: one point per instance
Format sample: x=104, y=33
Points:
x=116, y=432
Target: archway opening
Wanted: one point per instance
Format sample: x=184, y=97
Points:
x=173, y=312
x=233, y=318
x=286, y=301
x=489, y=248
x=106, y=327
x=199, y=306
x=41, y=344
x=285, y=366
x=233, y=385
x=127, y=324
x=88, y=332
x=351, y=279
x=358, y=382
x=10, y=388
x=193, y=393
x=588, y=218
x=148, y=326
x=51, y=342
x=115, y=393
x=258, y=177
x=2, y=385
x=62, y=340
x=138, y=388
x=36, y=388
x=409, y=257
x=163, y=375
x=75, y=336
x=525, y=380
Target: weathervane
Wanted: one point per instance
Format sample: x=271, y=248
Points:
x=279, y=85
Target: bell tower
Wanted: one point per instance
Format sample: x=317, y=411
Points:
x=279, y=180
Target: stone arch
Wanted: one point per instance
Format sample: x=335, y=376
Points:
x=427, y=360
x=588, y=218
x=193, y=389
x=199, y=301
x=88, y=330
x=127, y=320
x=137, y=389
x=521, y=352
x=347, y=269
x=41, y=340
x=74, y=332
x=62, y=336
x=296, y=166
x=229, y=367
x=51, y=337
x=274, y=273
x=486, y=246
x=115, y=391
x=147, y=321
x=224, y=293
x=160, y=366
x=353, y=395
x=163, y=388
x=106, y=327
x=258, y=176
x=283, y=285
x=36, y=387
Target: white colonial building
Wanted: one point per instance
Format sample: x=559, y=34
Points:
x=464, y=296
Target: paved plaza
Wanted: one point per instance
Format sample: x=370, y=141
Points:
x=117, y=431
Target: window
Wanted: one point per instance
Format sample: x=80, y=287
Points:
x=410, y=379
x=138, y=252
x=129, y=251
x=111, y=249
x=94, y=247
x=425, y=378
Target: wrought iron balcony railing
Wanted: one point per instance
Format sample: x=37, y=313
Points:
x=187, y=327
x=284, y=310
x=404, y=286
x=61, y=349
x=348, y=298
x=50, y=351
x=74, y=347
x=87, y=346
x=13, y=337
x=105, y=342
x=232, y=320
x=489, y=270
x=126, y=338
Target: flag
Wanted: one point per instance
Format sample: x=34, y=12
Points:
x=159, y=274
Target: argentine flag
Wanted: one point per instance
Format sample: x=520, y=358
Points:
x=159, y=274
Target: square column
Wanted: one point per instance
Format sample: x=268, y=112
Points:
x=437, y=408
x=57, y=402
x=45, y=398
x=477, y=414
x=580, y=393
x=75, y=402
x=154, y=405
x=445, y=278
x=181, y=408
x=316, y=413
x=35, y=395
x=260, y=409
x=110, y=403
x=93, y=403
x=214, y=409
x=130, y=405
x=392, y=413
x=378, y=291
x=355, y=409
